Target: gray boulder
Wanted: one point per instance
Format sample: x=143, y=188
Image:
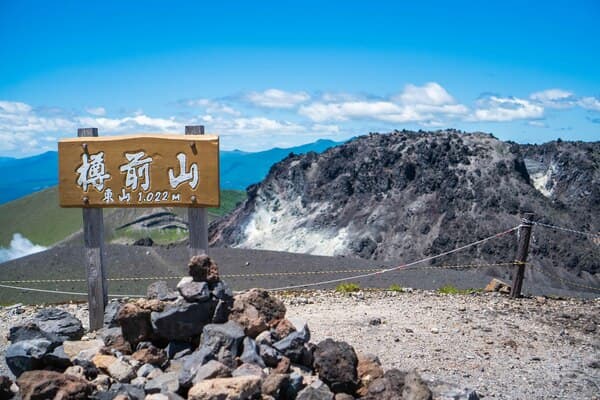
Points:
x=130, y=392
x=211, y=370
x=193, y=291
x=27, y=355
x=250, y=354
x=177, y=349
x=335, y=362
x=292, y=346
x=181, y=321
x=168, y=382
x=60, y=323
x=270, y=355
x=110, y=314
x=315, y=391
x=222, y=342
x=32, y=331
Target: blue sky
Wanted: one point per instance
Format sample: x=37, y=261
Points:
x=265, y=74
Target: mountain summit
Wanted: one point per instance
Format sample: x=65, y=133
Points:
x=406, y=195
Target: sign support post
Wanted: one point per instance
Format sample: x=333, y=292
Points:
x=93, y=237
x=197, y=218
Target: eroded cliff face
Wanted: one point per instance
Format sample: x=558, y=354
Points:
x=405, y=195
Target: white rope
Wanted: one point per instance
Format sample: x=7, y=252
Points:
x=403, y=266
x=63, y=292
x=594, y=235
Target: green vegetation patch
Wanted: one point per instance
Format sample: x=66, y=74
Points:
x=348, y=287
x=396, y=288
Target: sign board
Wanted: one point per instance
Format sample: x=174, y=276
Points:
x=150, y=170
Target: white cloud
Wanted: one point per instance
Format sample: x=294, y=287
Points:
x=19, y=247
x=554, y=98
x=326, y=128
x=275, y=98
x=131, y=124
x=424, y=104
x=589, y=103
x=98, y=111
x=430, y=94
x=213, y=106
x=503, y=109
x=537, y=124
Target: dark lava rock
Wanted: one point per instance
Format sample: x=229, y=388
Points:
x=146, y=241
x=27, y=355
x=270, y=355
x=130, y=392
x=110, y=314
x=167, y=382
x=181, y=321
x=250, y=354
x=336, y=362
x=194, y=291
x=60, y=323
x=316, y=391
x=222, y=342
x=53, y=385
x=5, y=384
x=32, y=331
x=177, y=349
x=292, y=346
x=57, y=359
x=203, y=269
x=221, y=290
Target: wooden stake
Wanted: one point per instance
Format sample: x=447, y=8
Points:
x=522, y=252
x=197, y=218
x=93, y=237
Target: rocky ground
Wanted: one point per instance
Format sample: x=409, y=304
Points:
x=533, y=348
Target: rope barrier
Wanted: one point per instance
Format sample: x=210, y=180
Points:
x=403, y=266
x=259, y=275
x=560, y=228
x=63, y=292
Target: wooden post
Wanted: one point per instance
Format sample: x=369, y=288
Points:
x=197, y=218
x=522, y=251
x=93, y=236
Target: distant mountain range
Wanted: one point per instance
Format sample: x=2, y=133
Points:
x=22, y=176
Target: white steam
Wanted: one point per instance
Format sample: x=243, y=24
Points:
x=20, y=246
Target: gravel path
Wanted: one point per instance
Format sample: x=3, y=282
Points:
x=533, y=348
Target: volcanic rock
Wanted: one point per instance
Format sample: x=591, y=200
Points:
x=5, y=384
x=181, y=321
x=315, y=391
x=60, y=323
x=151, y=355
x=192, y=290
x=53, y=385
x=336, y=362
x=168, y=382
x=210, y=370
x=257, y=311
x=222, y=342
x=238, y=388
x=135, y=323
x=27, y=355
x=203, y=269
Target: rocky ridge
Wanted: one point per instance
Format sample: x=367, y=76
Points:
x=200, y=342
x=408, y=195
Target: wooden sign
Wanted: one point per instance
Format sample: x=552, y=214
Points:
x=139, y=171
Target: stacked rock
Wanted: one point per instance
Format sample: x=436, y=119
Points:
x=200, y=343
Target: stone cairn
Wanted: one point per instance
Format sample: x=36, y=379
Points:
x=200, y=342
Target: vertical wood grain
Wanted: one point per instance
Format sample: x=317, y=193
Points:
x=93, y=236
x=197, y=217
